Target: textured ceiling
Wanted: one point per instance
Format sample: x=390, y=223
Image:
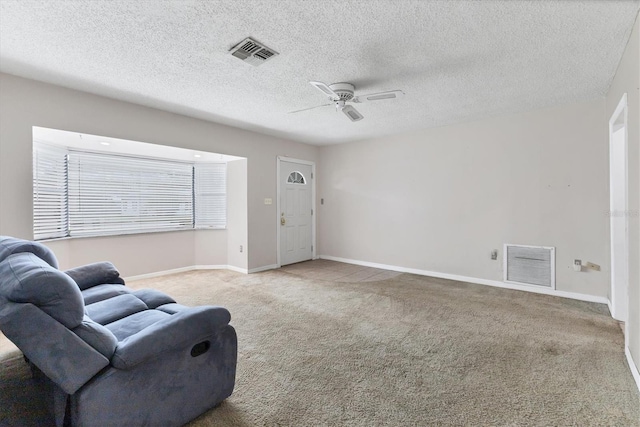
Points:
x=455, y=60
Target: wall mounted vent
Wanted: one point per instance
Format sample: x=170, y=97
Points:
x=530, y=265
x=252, y=52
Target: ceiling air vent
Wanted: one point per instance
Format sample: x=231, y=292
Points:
x=252, y=52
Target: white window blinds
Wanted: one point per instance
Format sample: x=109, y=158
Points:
x=50, y=215
x=77, y=193
x=118, y=195
x=210, y=188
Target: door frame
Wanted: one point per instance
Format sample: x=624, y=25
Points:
x=313, y=204
x=621, y=111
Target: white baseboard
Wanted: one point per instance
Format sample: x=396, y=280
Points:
x=263, y=268
x=200, y=267
x=496, y=283
x=253, y=270
x=632, y=366
x=159, y=273
x=210, y=267
x=175, y=270
x=237, y=269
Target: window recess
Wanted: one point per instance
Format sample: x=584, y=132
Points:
x=80, y=193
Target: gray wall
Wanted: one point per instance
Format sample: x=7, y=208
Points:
x=26, y=103
x=237, y=214
x=627, y=81
x=441, y=199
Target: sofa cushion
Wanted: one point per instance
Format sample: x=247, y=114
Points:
x=103, y=292
x=172, y=308
x=112, y=309
x=94, y=274
x=27, y=278
x=97, y=336
x=11, y=245
x=153, y=298
x=133, y=324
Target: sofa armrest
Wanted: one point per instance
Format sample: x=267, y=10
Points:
x=58, y=352
x=98, y=273
x=182, y=330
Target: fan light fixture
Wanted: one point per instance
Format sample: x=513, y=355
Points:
x=341, y=93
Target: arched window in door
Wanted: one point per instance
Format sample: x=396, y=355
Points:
x=296, y=178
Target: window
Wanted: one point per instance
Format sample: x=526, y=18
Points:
x=210, y=188
x=296, y=178
x=79, y=193
x=50, y=214
x=113, y=194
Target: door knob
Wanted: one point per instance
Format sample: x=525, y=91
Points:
x=282, y=220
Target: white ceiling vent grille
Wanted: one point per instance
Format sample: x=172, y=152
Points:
x=530, y=265
x=252, y=52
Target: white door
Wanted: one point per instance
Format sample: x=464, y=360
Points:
x=295, y=216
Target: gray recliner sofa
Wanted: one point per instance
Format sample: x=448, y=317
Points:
x=108, y=355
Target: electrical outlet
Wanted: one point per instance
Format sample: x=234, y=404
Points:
x=267, y=201
x=577, y=265
x=494, y=254
x=240, y=248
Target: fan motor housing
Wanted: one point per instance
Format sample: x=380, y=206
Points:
x=344, y=90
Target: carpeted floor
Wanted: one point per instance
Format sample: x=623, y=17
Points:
x=318, y=348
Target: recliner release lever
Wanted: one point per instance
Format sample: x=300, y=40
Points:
x=200, y=348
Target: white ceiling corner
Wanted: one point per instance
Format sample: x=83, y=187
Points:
x=455, y=60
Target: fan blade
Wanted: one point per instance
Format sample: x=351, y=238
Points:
x=326, y=90
x=377, y=96
x=352, y=113
x=310, y=108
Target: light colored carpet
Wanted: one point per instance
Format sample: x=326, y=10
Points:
x=405, y=350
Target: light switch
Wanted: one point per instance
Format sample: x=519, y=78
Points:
x=268, y=201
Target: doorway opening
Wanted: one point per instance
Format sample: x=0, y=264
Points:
x=619, y=218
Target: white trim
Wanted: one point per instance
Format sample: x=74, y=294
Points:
x=622, y=105
x=236, y=269
x=313, y=207
x=292, y=160
x=614, y=309
x=496, y=283
x=200, y=267
x=263, y=268
x=626, y=334
x=278, y=211
x=174, y=271
x=159, y=273
x=210, y=267
x=632, y=366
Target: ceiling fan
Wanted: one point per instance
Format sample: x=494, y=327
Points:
x=341, y=93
